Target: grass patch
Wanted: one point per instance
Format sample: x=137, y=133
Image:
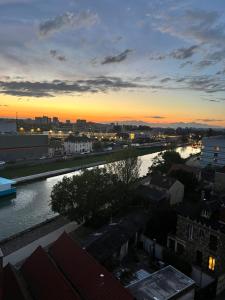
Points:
x=26, y=170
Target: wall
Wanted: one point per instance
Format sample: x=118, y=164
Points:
x=176, y=193
x=148, y=246
x=14, y=147
x=44, y=241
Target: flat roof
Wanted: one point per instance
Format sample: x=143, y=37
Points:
x=4, y=181
x=161, y=285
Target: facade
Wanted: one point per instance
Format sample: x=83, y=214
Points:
x=8, y=126
x=213, y=152
x=200, y=239
x=73, y=145
x=22, y=147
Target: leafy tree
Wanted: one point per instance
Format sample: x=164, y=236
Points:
x=85, y=197
x=164, y=160
x=126, y=166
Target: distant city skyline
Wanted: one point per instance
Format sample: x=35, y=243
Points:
x=155, y=61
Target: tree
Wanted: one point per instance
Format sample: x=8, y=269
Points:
x=86, y=197
x=164, y=160
x=126, y=166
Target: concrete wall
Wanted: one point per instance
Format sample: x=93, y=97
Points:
x=19, y=147
x=21, y=254
x=150, y=246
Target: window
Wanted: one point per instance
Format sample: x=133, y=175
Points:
x=213, y=241
x=171, y=244
x=180, y=248
x=198, y=258
x=190, y=232
x=212, y=263
x=215, y=154
x=201, y=234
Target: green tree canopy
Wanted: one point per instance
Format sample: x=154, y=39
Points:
x=87, y=196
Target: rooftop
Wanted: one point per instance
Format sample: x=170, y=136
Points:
x=161, y=285
x=4, y=181
x=65, y=272
x=162, y=181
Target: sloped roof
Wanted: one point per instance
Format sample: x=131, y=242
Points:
x=162, y=181
x=103, y=244
x=92, y=280
x=11, y=288
x=45, y=281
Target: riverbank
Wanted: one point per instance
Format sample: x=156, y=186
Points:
x=65, y=166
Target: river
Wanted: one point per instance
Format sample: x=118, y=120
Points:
x=31, y=203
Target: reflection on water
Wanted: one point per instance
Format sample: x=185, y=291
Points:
x=31, y=204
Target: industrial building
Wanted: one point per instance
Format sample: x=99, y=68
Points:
x=22, y=147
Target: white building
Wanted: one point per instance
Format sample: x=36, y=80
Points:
x=213, y=151
x=74, y=145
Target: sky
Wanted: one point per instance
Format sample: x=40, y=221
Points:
x=159, y=61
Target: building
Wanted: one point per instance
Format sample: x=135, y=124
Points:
x=76, y=144
x=200, y=240
x=45, y=120
x=171, y=186
x=65, y=272
x=8, y=126
x=167, y=283
x=213, y=152
x=22, y=147
x=55, y=148
x=112, y=241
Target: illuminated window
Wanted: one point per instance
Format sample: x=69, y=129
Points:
x=212, y=263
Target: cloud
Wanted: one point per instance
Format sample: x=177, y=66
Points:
x=155, y=117
x=3, y=105
x=117, y=58
x=51, y=89
x=186, y=63
x=204, y=63
x=84, y=19
x=56, y=55
x=184, y=53
x=165, y=79
x=209, y=120
x=204, y=27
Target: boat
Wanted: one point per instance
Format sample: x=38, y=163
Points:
x=6, y=187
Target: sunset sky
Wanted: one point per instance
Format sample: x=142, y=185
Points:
x=159, y=61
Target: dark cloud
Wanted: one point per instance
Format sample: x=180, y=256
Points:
x=166, y=79
x=75, y=20
x=204, y=63
x=56, y=55
x=50, y=89
x=155, y=117
x=117, y=58
x=186, y=63
x=184, y=53
x=158, y=56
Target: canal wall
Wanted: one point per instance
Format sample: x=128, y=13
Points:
x=48, y=174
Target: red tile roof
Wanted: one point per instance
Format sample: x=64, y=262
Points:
x=45, y=281
x=92, y=280
x=11, y=287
